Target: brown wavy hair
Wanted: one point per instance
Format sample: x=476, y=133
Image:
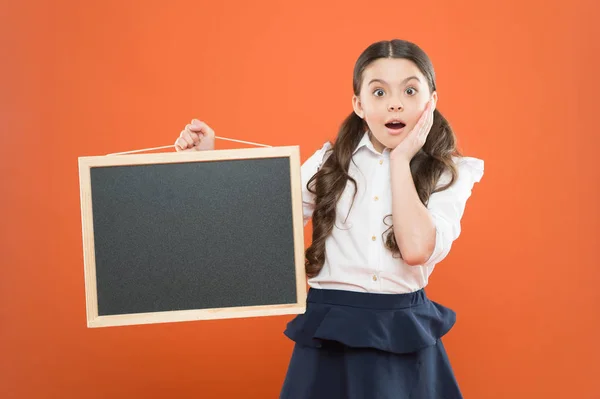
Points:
x=434, y=158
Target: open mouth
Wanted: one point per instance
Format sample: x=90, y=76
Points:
x=395, y=125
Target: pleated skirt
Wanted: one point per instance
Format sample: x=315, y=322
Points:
x=351, y=345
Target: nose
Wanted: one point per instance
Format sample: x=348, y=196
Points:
x=395, y=106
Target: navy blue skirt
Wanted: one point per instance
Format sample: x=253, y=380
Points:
x=351, y=345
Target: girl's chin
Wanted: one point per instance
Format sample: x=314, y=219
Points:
x=388, y=141
x=395, y=138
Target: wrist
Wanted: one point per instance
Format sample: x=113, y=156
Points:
x=400, y=160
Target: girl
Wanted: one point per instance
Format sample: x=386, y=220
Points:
x=386, y=200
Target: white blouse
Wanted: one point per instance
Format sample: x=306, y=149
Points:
x=356, y=258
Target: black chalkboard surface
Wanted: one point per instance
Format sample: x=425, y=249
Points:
x=189, y=236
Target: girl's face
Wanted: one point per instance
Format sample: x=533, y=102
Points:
x=393, y=95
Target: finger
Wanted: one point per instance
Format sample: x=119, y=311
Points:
x=201, y=127
x=430, y=109
x=180, y=144
x=190, y=138
x=429, y=124
x=431, y=117
x=194, y=131
x=425, y=127
x=185, y=139
x=430, y=105
x=421, y=122
x=430, y=112
x=196, y=137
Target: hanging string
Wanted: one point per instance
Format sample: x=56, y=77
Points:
x=172, y=146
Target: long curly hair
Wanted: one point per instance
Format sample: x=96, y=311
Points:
x=434, y=158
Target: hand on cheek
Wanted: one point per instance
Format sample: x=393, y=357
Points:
x=416, y=138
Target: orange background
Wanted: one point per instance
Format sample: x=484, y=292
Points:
x=517, y=79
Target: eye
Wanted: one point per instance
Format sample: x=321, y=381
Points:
x=413, y=89
x=378, y=91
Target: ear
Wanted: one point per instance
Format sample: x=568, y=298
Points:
x=357, y=105
x=434, y=96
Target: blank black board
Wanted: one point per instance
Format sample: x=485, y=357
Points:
x=204, y=234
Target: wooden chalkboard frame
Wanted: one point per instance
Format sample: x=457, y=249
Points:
x=89, y=162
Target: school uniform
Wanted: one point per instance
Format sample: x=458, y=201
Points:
x=369, y=330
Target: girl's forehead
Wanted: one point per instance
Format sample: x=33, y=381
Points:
x=391, y=70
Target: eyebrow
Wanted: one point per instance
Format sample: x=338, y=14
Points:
x=401, y=83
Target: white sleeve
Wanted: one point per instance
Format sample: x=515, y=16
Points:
x=309, y=168
x=447, y=207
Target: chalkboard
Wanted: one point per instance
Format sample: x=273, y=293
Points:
x=193, y=235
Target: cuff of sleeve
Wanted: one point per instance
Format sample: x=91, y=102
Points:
x=442, y=247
